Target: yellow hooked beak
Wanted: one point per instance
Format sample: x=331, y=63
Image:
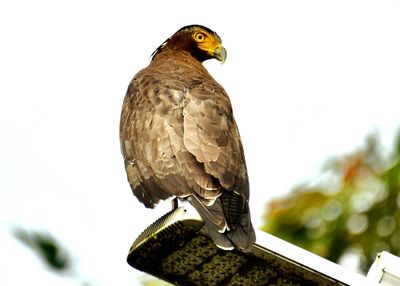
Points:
x=220, y=54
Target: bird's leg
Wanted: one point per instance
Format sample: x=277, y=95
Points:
x=174, y=204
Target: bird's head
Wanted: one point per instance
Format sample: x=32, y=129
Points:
x=201, y=42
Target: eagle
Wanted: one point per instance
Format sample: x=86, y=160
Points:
x=179, y=138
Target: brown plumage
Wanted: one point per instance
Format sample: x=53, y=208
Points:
x=179, y=138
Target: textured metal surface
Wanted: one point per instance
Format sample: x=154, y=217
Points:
x=177, y=249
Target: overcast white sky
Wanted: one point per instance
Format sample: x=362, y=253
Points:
x=308, y=80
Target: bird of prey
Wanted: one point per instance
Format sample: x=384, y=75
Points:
x=179, y=138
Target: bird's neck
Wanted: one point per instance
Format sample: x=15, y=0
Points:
x=178, y=59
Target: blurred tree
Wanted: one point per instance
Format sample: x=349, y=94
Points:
x=352, y=209
x=46, y=247
x=50, y=251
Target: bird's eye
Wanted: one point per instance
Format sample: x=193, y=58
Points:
x=199, y=37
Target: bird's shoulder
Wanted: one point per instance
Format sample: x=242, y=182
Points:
x=172, y=77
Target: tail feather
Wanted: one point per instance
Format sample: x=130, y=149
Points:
x=227, y=221
x=212, y=215
x=220, y=239
x=243, y=236
x=233, y=205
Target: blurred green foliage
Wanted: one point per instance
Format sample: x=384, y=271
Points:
x=55, y=256
x=46, y=247
x=353, y=207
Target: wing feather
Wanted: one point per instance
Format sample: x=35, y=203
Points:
x=211, y=135
x=152, y=135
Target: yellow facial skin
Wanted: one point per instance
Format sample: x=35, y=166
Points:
x=210, y=44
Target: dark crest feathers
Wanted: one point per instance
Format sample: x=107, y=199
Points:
x=189, y=28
